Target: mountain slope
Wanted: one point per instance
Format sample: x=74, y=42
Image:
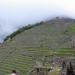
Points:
x=52, y=37
x=57, y=33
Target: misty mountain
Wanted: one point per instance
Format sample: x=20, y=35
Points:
x=24, y=47
x=55, y=33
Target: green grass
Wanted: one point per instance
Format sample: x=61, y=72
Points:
x=24, y=59
x=71, y=28
x=70, y=51
x=55, y=71
x=20, y=51
x=16, y=61
x=20, y=63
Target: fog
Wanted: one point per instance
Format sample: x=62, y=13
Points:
x=18, y=13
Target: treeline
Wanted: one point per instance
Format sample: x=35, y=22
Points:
x=20, y=30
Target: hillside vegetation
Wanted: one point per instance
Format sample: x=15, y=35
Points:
x=22, y=48
x=56, y=33
x=20, y=30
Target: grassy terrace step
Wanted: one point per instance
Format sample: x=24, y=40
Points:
x=22, y=48
x=71, y=28
x=23, y=59
x=20, y=64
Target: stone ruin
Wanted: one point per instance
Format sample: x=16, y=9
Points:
x=62, y=62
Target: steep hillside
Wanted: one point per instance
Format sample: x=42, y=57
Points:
x=21, y=49
x=57, y=33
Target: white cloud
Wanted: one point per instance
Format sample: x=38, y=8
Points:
x=14, y=13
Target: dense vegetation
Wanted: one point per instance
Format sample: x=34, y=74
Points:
x=20, y=30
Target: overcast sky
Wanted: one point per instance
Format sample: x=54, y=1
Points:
x=16, y=13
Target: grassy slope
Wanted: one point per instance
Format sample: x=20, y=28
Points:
x=57, y=34
x=43, y=40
